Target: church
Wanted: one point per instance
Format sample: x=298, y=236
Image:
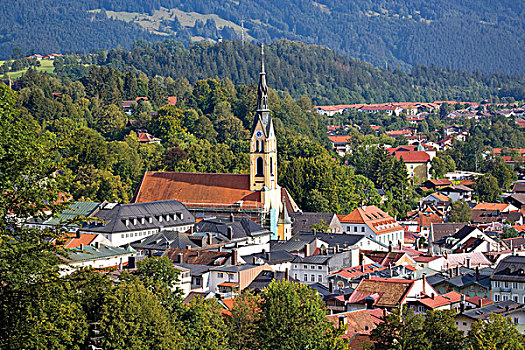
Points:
x=257, y=195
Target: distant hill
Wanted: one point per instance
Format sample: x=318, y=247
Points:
x=320, y=73
x=467, y=35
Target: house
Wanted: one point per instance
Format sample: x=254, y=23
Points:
x=516, y=199
x=438, y=232
x=436, y=184
x=436, y=262
x=341, y=144
x=374, y=223
x=465, y=281
x=129, y=105
x=70, y=219
x=77, y=239
x=278, y=260
x=256, y=195
x=359, y=325
x=125, y=223
x=264, y=278
x=519, y=187
x=146, y=138
x=388, y=258
x=436, y=200
x=228, y=281
x=417, y=164
x=460, y=175
x=508, y=309
x=389, y=110
x=98, y=257
x=449, y=301
x=349, y=277
x=165, y=240
x=316, y=268
x=387, y=293
x=421, y=220
x=303, y=221
x=457, y=192
x=466, y=240
x=502, y=207
x=508, y=280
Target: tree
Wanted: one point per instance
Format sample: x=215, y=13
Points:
x=497, y=332
x=242, y=325
x=441, y=332
x=133, y=318
x=158, y=269
x=204, y=327
x=167, y=123
x=400, y=330
x=321, y=226
x=294, y=317
x=460, y=212
x=110, y=122
x=487, y=188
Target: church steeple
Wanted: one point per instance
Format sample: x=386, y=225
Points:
x=262, y=90
x=263, y=146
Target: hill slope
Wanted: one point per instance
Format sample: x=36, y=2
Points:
x=470, y=34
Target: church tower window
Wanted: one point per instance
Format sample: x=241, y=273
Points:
x=260, y=166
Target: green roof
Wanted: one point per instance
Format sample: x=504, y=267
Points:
x=75, y=209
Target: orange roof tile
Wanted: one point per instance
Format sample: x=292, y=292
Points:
x=413, y=156
x=85, y=239
x=491, y=206
x=339, y=139
x=373, y=217
x=441, y=300
x=198, y=189
x=386, y=292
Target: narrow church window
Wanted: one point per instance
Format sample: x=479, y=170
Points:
x=256, y=146
x=262, y=146
x=271, y=166
x=259, y=167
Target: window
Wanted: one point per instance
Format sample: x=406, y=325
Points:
x=259, y=167
x=271, y=166
x=515, y=285
x=305, y=278
x=295, y=276
x=319, y=267
x=355, y=228
x=312, y=267
x=295, y=266
x=313, y=278
x=319, y=278
x=505, y=297
x=515, y=298
x=516, y=320
x=220, y=275
x=496, y=284
x=362, y=229
x=348, y=229
x=496, y=297
x=464, y=323
x=305, y=267
x=506, y=284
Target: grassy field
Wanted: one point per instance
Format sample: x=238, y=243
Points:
x=45, y=66
x=152, y=23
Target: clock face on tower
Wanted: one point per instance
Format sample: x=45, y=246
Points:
x=258, y=134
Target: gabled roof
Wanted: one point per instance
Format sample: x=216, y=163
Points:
x=445, y=230
x=511, y=268
x=519, y=187
x=376, y=219
x=165, y=240
x=491, y=206
x=413, y=156
x=384, y=292
x=441, y=300
x=386, y=258
x=84, y=239
x=502, y=307
x=241, y=227
x=303, y=221
x=339, y=139
x=198, y=189
x=203, y=257
x=103, y=252
x=356, y=271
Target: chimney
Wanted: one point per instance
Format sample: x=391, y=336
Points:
x=267, y=256
x=432, y=295
x=179, y=258
x=210, y=238
x=81, y=246
x=477, y=273
x=191, y=230
x=462, y=305
x=97, y=245
x=287, y=274
x=362, y=268
x=361, y=258
x=480, y=303
x=424, y=283
x=230, y=233
x=77, y=234
x=306, y=250
x=389, y=247
x=188, y=247
x=235, y=257
x=337, y=248
x=331, y=287
x=254, y=260
x=232, y=218
x=314, y=231
x=457, y=270
x=467, y=259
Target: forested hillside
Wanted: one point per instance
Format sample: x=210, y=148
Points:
x=468, y=35
x=321, y=74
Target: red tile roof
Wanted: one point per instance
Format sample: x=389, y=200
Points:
x=356, y=271
x=85, y=239
x=374, y=218
x=386, y=292
x=146, y=137
x=339, y=139
x=172, y=100
x=441, y=300
x=491, y=206
x=413, y=156
x=198, y=189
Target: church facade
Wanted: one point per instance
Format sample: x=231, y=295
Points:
x=256, y=195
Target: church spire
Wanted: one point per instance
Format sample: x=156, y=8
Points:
x=262, y=90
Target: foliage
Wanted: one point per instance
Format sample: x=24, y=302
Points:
x=401, y=330
x=294, y=317
x=242, y=325
x=487, y=188
x=460, y=212
x=497, y=332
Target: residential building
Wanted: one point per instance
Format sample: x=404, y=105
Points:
x=417, y=164
x=508, y=280
x=70, y=219
x=374, y=223
x=449, y=301
x=341, y=144
x=303, y=221
x=125, y=223
x=465, y=281
x=98, y=257
x=467, y=240
x=508, y=309
x=457, y=192
x=228, y=281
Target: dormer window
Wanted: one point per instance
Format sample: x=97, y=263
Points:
x=127, y=222
x=142, y=221
x=135, y=221
x=150, y=219
x=167, y=217
x=160, y=218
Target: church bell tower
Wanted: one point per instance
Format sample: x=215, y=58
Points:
x=263, y=145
